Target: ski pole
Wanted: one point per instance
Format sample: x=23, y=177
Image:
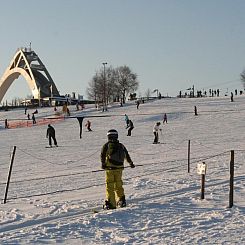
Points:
x=100, y=170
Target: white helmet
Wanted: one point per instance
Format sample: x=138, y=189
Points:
x=112, y=134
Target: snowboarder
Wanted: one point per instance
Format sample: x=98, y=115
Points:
x=156, y=128
x=88, y=125
x=165, y=119
x=51, y=135
x=130, y=127
x=113, y=155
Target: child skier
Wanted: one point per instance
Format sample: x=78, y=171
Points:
x=88, y=125
x=113, y=155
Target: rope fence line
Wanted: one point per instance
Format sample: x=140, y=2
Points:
x=146, y=174
x=89, y=172
x=38, y=158
x=81, y=173
x=210, y=157
x=207, y=147
x=81, y=188
x=95, y=185
x=75, y=189
x=42, y=159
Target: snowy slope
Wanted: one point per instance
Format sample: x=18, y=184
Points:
x=53, y=191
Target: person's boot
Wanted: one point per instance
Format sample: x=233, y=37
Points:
x=122, y=202
x=108, y=205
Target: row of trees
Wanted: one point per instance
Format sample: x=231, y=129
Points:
x=112, y=84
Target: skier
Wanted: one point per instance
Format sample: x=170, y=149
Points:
x=51, y=135
x=130, y=127
x=156, y=128
x=33, y=119
x=113, y=155
x=88, y=125
x=165, y=119
x=137, y=104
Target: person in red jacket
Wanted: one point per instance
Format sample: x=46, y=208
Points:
x=88, y=125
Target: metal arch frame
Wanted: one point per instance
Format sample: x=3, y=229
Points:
x=13, y=72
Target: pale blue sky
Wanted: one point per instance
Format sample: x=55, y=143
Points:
x=170, y=44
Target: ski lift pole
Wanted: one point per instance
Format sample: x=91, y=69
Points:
x=9, y=176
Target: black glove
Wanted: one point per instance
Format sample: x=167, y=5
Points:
x=132, y=165
x=103, y=166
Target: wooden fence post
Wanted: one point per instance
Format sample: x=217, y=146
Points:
x=231, y=180
x=202, y=185
x=189, y=152
x=9, y=176
x=201, y=169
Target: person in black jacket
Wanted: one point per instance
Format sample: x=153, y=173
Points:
x=130, y=127
x=51, y=135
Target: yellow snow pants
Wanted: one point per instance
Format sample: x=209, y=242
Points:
x=114, y=188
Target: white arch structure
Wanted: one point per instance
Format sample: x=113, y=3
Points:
x=27, y=63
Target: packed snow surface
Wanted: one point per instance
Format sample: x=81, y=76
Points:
x=54, y=191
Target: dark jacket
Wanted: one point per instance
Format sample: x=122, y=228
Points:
x=130, y=124
x=50, y=131
x=108, y=152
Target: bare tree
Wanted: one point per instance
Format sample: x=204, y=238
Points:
x=111, y=84
x=127, y=81
x=95, y=88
